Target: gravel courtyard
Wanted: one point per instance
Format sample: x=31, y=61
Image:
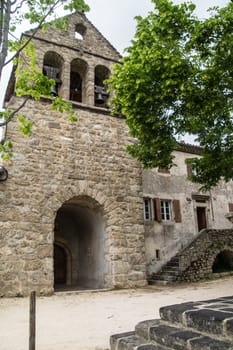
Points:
x=85, y=320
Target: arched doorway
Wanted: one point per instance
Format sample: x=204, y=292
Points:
x=223, y=262
x=80, y=262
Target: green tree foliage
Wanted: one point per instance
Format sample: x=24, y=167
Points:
x=177, y=78
x=30, y=81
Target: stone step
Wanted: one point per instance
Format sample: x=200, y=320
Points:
x=162, y=279
x=213, y=317
x=142, y=329
x=170, y=268
x=174, y=264
x=153, y=335
x=167, y=269
x=203, y=325
x=183, y=339
x=131, y=341
x=157, y=282
x=168, y=273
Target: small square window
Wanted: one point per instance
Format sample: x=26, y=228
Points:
x=166, y=210
x=164, y=170
x=157, y=254
x=147, y=209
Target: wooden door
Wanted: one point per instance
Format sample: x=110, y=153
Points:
x=201, y=218
x=60, y=265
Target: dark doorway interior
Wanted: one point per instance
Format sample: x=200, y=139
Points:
x=60, y=265
x=223, y=262
x=79, y=241
x=201, y=218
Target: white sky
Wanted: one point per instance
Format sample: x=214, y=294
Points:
x=115, y=19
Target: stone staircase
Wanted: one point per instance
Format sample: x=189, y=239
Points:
x=168, y=274
x=195, y=261
x=204, y=325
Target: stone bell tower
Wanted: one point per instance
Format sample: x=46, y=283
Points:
x=71, y=209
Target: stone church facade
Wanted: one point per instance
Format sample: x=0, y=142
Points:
x=71, y=212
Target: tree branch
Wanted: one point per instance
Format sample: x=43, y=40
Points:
x=5, y=30
x=33, y=33
x=5, y=122
x=17, y=7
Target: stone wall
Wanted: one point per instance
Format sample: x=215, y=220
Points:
x=196, y=261
x=71, y=184
x=59, y=162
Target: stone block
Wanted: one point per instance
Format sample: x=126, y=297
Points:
x=114, y=339
x=173, y=337
x=208, y=321
x=151, y=347
x=142, y=329
x=174, y=313
x=229, y=328
x=206, y=343
x=160, y=333
x=136, y=275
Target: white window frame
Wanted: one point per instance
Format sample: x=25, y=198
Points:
x=147, y=209
x=166, y=209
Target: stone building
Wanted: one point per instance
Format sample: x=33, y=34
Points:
x=71, y=212
x=71, y=208
x=175, y=211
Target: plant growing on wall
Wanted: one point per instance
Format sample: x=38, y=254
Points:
x=177, y=78
x=31, y=82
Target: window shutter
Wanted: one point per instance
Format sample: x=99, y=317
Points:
x=157, y=210
x=230, y=206
x=177, y=211
x=189, y=169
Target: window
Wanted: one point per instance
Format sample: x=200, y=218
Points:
x=157, y=254
x=230, y=205
x=147, y=209
x=165, y=210
x=164, y=170
x=191, y=171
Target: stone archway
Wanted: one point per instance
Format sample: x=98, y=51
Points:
x=79, y=225
x=223, y=261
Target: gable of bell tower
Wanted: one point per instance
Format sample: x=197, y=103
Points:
x=78, y=58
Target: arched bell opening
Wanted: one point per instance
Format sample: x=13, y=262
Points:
x=79, y=223
x=223, y=262
x=52, y=68
x=102, y=73
x=78, y=80
x=80, y=31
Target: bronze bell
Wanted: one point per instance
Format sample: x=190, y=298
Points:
x=99, y=95
x=99, y=98
x=53, y=91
